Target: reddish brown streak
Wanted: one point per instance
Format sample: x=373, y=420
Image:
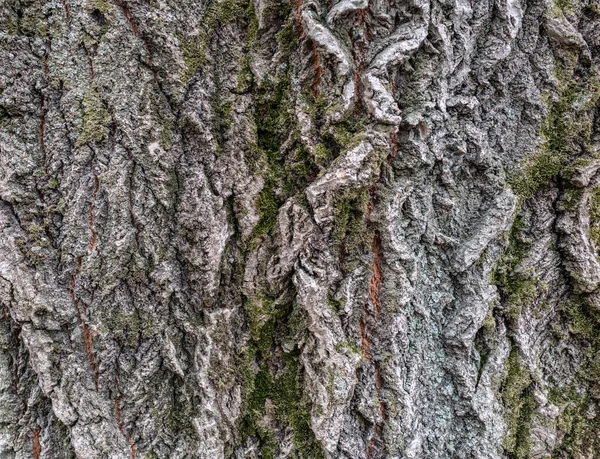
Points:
x=374, y=297
x=87, y=340
x=378, y=378
x=318, y=71
x=394, y=150
x=64, y=2
x=370, y=447
x=375, y=300
x=299, y=16
x=359, y=64
x=42, y=126
x=91, y=216
x=375, y=283
x=129, y=19
x=85, y=328
x=118, y=413
x=360, y=18
x=132, y=446
x=131, y=215
x=91, y=66
x=37, y=446
x=134, y=30
x=91, y=221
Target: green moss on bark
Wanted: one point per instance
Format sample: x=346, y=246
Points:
x=96, y=119
x=103, y=6
x=565, y=131
x=518, y=404
x=289, y=168
x=517, y=286
x=274, y=390
x=350, y=224
x=567, y=6
x=594, y=210
x=284, y=394
x=217, y=15
x=580, y=400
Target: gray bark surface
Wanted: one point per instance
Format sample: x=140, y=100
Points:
x=353, y=229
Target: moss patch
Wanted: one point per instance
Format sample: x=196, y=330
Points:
x=31, y=22
x=103, y=6
x=595, y=217
x=536, y=172
x=127, y=329
x=518, y=404
x=217, y=15
x=287, y=172
x=350, y=227
x=567, y=6
x=284, y=393
x=566, y=132
x=580, y=420
x=275, y=389
x=96, y=119
x=517, y=286
x=261, y=314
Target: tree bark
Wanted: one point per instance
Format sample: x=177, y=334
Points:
x=258, y=229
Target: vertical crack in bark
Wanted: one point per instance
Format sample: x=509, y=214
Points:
x=131, y=214
x=373, y=318
x=298, y=4
x=358, y=51
x=131, y=443
x=36, y=445
x=42, y=127
x=16, y=331
x=86, y=334
x=136, y=34
x=90, y=65
x=375, y=283
x=127, y=14
x=134, y=30
x=87, y=339
x=91, y=215
x=366, y=342
x=66, y=8
x=318, y=71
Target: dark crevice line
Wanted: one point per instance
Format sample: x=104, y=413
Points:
x=131, y=443
x=318, y=71
x=36, y=449
x=131, y=214
x=86, y=334
x=42, y=128
x=94, y=235
x=375, y=284
x=66, y=7
x=127, y=14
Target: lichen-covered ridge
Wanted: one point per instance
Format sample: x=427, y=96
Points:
x=311, y=229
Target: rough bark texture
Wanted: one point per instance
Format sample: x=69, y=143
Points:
x=254, y=229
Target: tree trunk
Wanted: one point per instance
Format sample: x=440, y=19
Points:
x=353, y=229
